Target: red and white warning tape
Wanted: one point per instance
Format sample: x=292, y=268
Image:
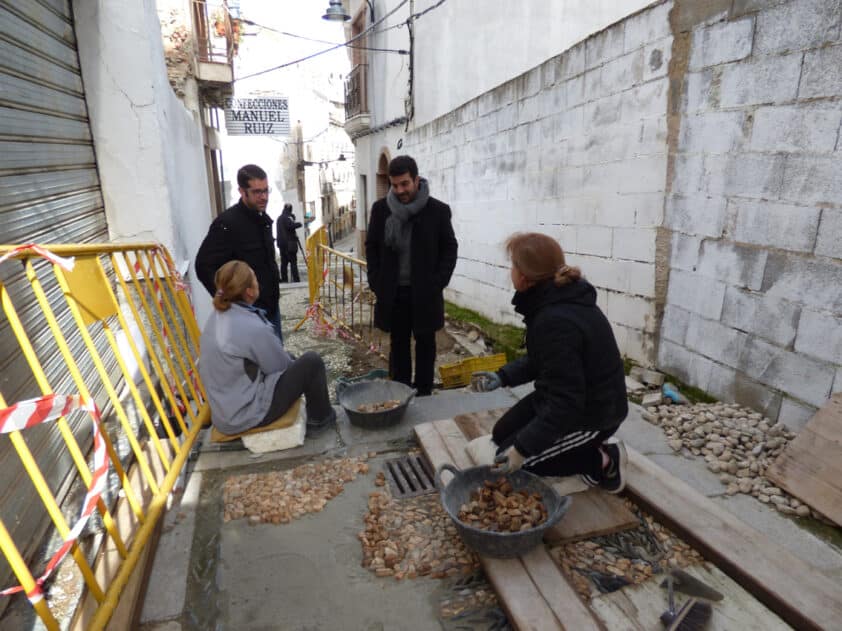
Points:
x=64, y=263
x=44, y=409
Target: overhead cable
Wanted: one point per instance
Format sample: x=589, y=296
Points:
x=327, y=50
x=324, y=41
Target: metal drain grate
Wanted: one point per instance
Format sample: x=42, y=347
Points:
x=409, y=476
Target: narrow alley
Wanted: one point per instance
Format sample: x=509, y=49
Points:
x=409, y=315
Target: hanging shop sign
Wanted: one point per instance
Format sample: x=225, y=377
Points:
x=264, y=115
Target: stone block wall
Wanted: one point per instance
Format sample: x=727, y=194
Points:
x=754, y=206
x=689, y=159
x=575, y=148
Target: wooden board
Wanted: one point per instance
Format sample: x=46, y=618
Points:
x=810, y=468
x=638, y=607
x=557, y=591
x=592, y=513
x=534, y=593
x=476, y=424
x=791, y=588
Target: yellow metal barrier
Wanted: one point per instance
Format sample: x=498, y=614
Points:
x=338, y=289
x=149, y=391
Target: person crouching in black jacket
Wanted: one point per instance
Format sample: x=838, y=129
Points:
x=563, y=427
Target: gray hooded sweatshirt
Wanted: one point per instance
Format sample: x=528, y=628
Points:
x=241, y=361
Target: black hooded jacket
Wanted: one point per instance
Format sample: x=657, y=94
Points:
x=573, y=358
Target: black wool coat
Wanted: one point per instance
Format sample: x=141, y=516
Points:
x=574, y=360
x=243, y=234
x=433, y=257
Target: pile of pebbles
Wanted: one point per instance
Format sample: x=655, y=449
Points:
x=737, y=443
x=609, y=562
x=278, y=497
x=411, y=538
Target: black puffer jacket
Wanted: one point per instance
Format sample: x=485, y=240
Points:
x=245, y=235
x=573, y=358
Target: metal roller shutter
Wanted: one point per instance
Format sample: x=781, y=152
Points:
x=49, y=192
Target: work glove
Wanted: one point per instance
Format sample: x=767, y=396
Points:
x=509, y=461
x=485, y=381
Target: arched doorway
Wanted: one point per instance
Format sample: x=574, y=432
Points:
x=382, y=175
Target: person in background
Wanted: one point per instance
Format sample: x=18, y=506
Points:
x=564, y=426
x=411, y=253
x=251, y=380
x=244, y=232
x=288, y=243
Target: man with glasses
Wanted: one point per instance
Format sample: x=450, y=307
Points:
x=244, y=232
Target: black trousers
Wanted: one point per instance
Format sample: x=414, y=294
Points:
x=400, y=355
x=307, y=376
x=288, y=258
x=576, y=452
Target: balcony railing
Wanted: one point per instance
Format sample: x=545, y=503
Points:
x=356, y=99
x=215, y=33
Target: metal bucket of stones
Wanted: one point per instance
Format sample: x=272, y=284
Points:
x=501, y=545
x=371, y=393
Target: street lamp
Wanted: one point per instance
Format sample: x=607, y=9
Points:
x=335, y=12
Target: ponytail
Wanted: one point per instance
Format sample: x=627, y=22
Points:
x=566, y=274
x=220, y=302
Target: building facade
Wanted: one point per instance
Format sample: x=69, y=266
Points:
x=682, y=153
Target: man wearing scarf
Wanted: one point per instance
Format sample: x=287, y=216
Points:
x=411, y=252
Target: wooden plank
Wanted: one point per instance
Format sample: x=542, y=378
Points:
x=522, y=601
x=557, y=592
x=434, y=447
x=793, y=589
x=455, y=442
x=638, y=607
x=809, y=468
x=476, y=424
x=592, y=513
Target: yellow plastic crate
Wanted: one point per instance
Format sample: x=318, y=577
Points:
x=459, y=373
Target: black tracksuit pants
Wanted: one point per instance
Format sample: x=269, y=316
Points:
x=400, y=355
x=576, y=452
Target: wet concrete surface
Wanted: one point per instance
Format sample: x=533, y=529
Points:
x=306, y=574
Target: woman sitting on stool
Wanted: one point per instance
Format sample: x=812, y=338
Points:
x=579, y=401
x=250, y=379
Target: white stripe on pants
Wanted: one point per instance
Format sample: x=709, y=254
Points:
x=567, y=442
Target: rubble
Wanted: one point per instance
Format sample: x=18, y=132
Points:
x=633, y=385
x=278, y=497
x=737, y=443
x=411, y=538
x=652, y=399
x=497, y=507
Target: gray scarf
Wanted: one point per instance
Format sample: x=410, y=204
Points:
x=398, y=229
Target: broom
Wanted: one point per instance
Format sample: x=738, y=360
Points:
x=693, y=615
